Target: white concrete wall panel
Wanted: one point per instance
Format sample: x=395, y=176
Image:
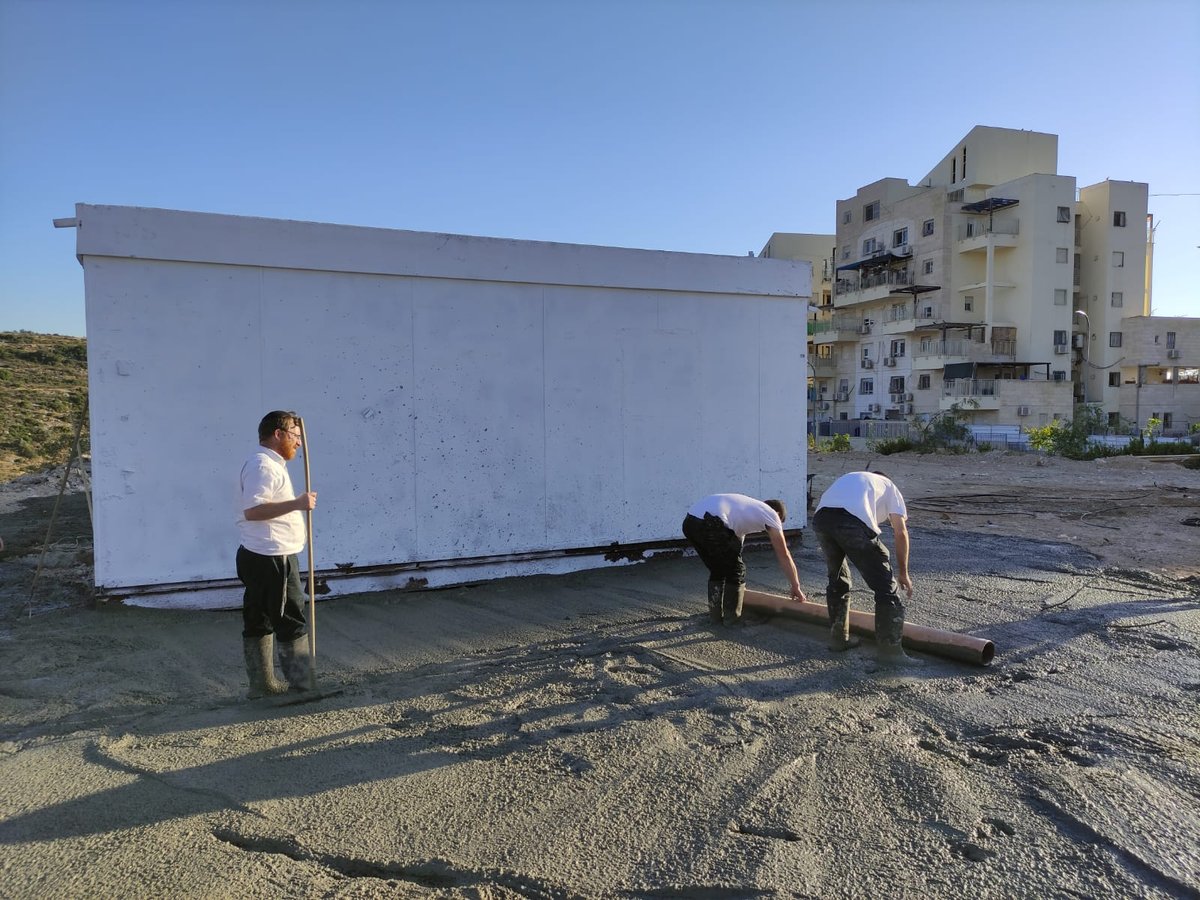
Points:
x=588, y=401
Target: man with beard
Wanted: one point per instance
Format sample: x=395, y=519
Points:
x=271, y=526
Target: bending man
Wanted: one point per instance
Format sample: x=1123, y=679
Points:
x=847, y=522
x=717, y=527
x=271, y=525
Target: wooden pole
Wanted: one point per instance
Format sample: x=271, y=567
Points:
x=308, y=526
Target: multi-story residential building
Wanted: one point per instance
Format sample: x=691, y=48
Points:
x=991, y=285
x=817, y=250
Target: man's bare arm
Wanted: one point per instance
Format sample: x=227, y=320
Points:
x=265, y=511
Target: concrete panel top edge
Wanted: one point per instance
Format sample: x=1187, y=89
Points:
x=127, y=232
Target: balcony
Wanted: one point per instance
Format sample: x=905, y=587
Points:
x=979, y=235
x=839, y=328
x=869, y=285
x=961, y=350
x=981, y=392
x=824, y=365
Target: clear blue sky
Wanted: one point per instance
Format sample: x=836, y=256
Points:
x=669, y=124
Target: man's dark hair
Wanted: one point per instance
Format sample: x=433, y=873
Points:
x=277, y=418
x=778, y=506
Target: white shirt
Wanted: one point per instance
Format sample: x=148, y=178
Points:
x=744, y=515
x=265, y=479
x=869, y=497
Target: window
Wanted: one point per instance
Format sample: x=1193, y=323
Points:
x=871, y=245
x=1168, y=421
x=899, y=237
x=1114, y=420
x=927, y=228
x=1060, y=296
x=1059, y=375
x=896, y=384
x=1064, y=214
x=846, y=217
x=866, y=386
x=964, y=167
x=1118, y=298
x=1062, y=255
x=846, y=252
x=968, y=304
x=1060, y=338
x=1114, y=379
x=1170, y=340
x=897, y=348
x=953, y=170
x=922, y=382
x=1118, y=259
x=1118, y=219
x=928, y=267
x=1114, y=339
x=871, y=211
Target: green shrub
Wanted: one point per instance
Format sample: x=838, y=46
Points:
x=887, y=446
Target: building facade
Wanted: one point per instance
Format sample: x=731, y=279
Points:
x=992, y=286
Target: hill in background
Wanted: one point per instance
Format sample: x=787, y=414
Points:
x=43, y=386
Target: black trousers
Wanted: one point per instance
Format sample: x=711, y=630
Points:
x=718, y=547
x=844, y=539
x=274, y=599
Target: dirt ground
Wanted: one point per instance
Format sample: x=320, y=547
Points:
x=591, y=735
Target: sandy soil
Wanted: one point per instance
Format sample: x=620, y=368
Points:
x=591, y=736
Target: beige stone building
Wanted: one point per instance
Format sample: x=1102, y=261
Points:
x=992, y=285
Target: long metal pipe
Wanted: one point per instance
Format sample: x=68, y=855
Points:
x=949, y=644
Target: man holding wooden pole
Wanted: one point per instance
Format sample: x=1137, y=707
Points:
x=272, y=526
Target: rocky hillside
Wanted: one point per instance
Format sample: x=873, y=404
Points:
x=43, y=386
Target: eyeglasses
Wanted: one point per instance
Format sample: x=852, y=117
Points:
x=294, y=434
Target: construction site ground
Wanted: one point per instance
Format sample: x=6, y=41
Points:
x=591, y=735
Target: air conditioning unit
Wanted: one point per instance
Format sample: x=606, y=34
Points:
x=889, y=361
x=868, y=363
x=1172, y=354
x=1077, y=341
x=822, y=405
x=1060, y=348
x=874, y=407
x=1022, y=410
x=841, y=396
x=908, y=397
x=864, y=329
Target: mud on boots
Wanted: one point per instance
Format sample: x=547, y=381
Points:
x=259, y=653
x=889, y=636
x=297, y=665
x=840, y=638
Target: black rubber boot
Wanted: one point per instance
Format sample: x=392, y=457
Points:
x=260, y=667
x=715, y=591
x=297, y=664
x=839, y=626
x=731, y=605
x=889, y=633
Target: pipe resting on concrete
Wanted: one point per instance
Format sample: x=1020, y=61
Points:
x=949, y=644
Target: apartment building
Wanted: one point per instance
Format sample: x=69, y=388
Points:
x=992, y=285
